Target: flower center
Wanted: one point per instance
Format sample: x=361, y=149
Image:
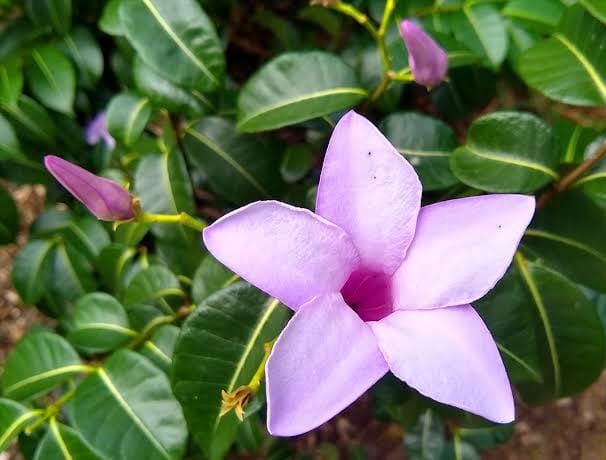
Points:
x=368, y=294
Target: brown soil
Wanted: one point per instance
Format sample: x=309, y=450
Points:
x=569, y=429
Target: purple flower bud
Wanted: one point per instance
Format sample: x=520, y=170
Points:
x=428, y=62
x=106, y=199
x=96, y=130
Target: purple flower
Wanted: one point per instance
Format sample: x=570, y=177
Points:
x=428, y=62
x=377, y=283
x=96, y=130
x=106, y=199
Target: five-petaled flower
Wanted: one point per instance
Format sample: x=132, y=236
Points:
x=377, y=283
x=96, y=130
x=106, y=199
x=427, y=60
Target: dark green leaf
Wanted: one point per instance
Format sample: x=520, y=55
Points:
x=159, y=348
x=54, y=13
x=71, y=274
x=569, y=236
x=210, y=277
x=507, y=152
x=32, y=121
x=126, y=117
x=595, y=7
x=296, y=162
x=486, y=436
x=570, y=66
x=39, y=362
x=151, y=284
x=128, y=403
x=11, y=81
x=220, y=347
x=426, y=143
x=177, y=39
x=110, y=19
x=295, y=87
x=86, y=54
x=426, y=440
x=237, y=166
x=100, y=324
x=52, y=79
x=541, y=15
x=9, y=218
x=459, y=450
x=32, y=270
x=64, y=443
x=9, y=144
x=13, y=419
x=112, y=262
x=575, y=140
x=594, y=182
x=18, y=35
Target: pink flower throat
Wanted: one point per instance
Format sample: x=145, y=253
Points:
x=368, y=293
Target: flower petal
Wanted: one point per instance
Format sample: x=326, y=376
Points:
x=324, y=360
x=460, y=250
x=428, y=61
x=369, y=189
x=450, y=356
x=106, y=199
x=288, y=252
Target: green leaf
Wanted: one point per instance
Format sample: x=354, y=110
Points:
x=110, y=19
x=426, y=143
x=594, y=182
x=112, y=262
x=210, y=277
x=11, y=81
x=32, y=270
x=126, y=117
x=32, y=121
x=13, y=419
x=459, y=450
x=570, y=335
x=71, y=274
x=295, y=87
x=86, y=54
x=541, y=15
x=18, y=35
x=159, y=348
x=168, y=95
x=52, y=79
x=64, y=443
x=9, y=218
x=54, y=13
x=569, y=236
x=9, y=144
x=570, y=66
x=176, y=39
x=486, y=437
x=577, y=142
x=163, y=185
x=296, y=162
x=507, y=152
x=100, y=324
x=481, y=28
x=38, y=363
x=237, y=166
x=128, y=403
x=152, y=284
x=595, y=7
x=220, y=347
x=426, y=440
x=87, y=235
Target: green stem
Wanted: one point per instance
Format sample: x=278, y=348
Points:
x=387, y=12
x=51, y=411
x=379, y=90
x=181, y=218
x=255, y=382
x=150, y=328
x=356, y=15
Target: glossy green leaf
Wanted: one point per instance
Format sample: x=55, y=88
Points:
x=39, y=362
x=594, y=182
x=507, y=152
x=128, y=403
x=159, y=348
x=168, y=95
x=220, y=347
x=541, y=15
x=52, y=79
x=71, y=274
x=595, y=7
x=426, y=143
x=570, y=66
x=237, y=166
x=481, y=28
x=9, y=144
x=126, y=117
x=100, y=324
x=11, y=81
x=163, y=185
x=486, y=436
x=426, y=440
x=32, y=121
x=112, y=262
x=576, y=142
x=176, y=39
x=54, y=13
x=9, y=218
x=64, y=443
x=459, y=450
x=110, y=19
x=295, y=87
x=569, y=236
x=296, y=162
x=86, y=54
x=153, y=283
x=210, y=277
x=13, y=419
x=32, y=270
